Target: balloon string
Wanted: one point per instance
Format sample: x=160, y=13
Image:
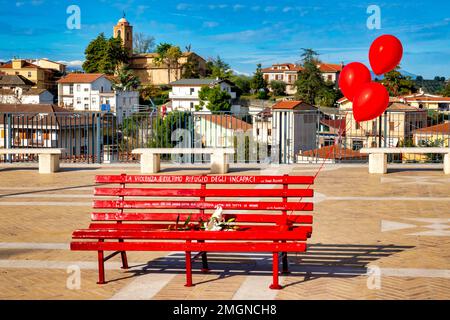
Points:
x=327, y=157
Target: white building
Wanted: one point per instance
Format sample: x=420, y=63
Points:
x=25, y=96
x=293, y=131
x=94, y=92
x=184, y=94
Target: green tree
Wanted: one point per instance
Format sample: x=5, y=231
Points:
x=258, y=83
x=218, y=68
x=126, y=80
x=446, y=91
x=242, y=83
x=397, y=84
x=168, y=55
x=278, y=87
x=191, y=69
x=104, y=55
x=215, y=99
x=310, y=81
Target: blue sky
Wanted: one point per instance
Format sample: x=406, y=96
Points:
x=244, y=33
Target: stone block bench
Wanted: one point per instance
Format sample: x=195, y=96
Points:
x=378, y=156
x=151, y=160
x=48, y=158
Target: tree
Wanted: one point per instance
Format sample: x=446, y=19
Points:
x=143, y=43
x=168, y=55
x=397, y=84
x=242, y=83
x=278, y=87
x=446, y=91
x=215, y=99
x=104, y=55
x=191, y=69
x=218, y=68
x=327, y=96
x=126, y=80
x=310, y=81
x=258, y=82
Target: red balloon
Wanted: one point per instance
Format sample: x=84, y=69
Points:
x=371, y=100
x=385, y=54
x=353, y=76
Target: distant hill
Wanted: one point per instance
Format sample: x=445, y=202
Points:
x=403, y=72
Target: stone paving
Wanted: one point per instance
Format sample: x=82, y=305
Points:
x=396, y=226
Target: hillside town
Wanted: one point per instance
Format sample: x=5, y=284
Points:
x=292, y=109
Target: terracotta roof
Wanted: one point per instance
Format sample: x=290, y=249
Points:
x=339, y=125
x=330, y=67
x=81, y=77
x=291, y=105
x=335, y=152
x=228, y=121
x=439, y=128
x=428, y=99
x=341, y=100
x=26, y=64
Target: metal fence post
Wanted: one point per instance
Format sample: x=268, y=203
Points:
x=99, y=136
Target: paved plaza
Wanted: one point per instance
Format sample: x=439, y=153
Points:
x=374, y=237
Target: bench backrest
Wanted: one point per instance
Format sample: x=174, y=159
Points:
x=139, y=198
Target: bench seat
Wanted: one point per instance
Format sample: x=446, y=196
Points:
x=48, y=158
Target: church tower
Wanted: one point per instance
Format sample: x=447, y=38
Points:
x=124, y=30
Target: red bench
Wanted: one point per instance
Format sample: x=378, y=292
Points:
x=138, y=217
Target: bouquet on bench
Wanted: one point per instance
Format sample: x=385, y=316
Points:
x=217, y=222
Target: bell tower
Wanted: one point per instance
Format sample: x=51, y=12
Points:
x=124, y=30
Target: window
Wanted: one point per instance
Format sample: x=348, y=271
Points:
x=86, y=107
x=330, y=77
x=357, y=125
x=86, y=98
x=391, y=125
x=29, y=74
x=71, y=89
x=192, y=90
x=192, y=106
x=357, y=145
x=257, y=131
x=94, y=100
x=269, y=132
x=78, y=87
x=86, y=89
x=78, y=100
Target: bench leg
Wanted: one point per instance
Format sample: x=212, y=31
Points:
x=101, y=268
x=205, y=268
x=285, y=263
x=447, y=163
x=188, y=269
x=275, y=284
x=123, y=255
x=378, y=163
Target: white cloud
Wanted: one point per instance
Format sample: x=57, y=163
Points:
x=210, y=24
x=74, y=63
x=287, y=9
x=237, y=7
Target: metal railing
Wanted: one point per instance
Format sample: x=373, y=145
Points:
x=264, y=137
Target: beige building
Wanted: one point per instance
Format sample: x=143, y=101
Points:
x=145, y=66
x=427, y=101
x=49, y=64
x=288, y=73
x=397, y=127
x=42, y=78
